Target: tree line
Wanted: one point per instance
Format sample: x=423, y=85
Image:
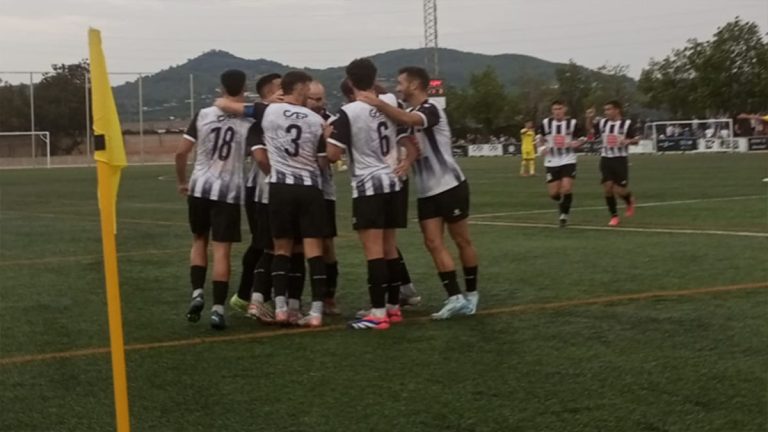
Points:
x=720, y=77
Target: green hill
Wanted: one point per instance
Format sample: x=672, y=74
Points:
x=166, y=93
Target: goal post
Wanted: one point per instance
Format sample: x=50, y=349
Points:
x=25, y=149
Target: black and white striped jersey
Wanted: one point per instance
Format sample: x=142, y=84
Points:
x=558, y=137
x=329, y=187
x=257, y=178
x=220, y=138
x=612, y=133
x=293, y=137
x=436, y=171
x=255, y=111
x=368, y=137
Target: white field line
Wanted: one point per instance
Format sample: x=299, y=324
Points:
x=619, y=229
x=650, y=204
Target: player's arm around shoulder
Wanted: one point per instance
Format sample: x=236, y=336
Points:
x=394, y=113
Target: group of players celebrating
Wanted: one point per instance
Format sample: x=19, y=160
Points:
x=559, y=137
x=289, y=196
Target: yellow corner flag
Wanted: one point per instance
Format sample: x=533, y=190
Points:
x=110, y=159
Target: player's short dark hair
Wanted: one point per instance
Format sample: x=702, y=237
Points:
x=558, y=102
x=264, y=81
x=292, y=79
x=346, y=89
x=615, y=104
x=233, y=82
x=361, y=73
x=417, y=74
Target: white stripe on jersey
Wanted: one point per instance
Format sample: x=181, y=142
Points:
x=558, y=136
x=612, y=133
x=218, y=173
x=293, y=136
x=436, y=171
x=369, y=138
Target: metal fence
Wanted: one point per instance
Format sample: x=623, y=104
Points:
x=32, y=102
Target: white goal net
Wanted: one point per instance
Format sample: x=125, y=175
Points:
x=25, y=149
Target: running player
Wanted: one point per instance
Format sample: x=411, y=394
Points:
x=268, y=88
x=617, y=134
x=293, y=152
x=316, y=102
x=561, y=136
x=528, y=149
x=215, y=191
x=369, y=137
x=442, y=188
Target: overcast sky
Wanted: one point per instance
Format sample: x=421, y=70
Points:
x=149, y=35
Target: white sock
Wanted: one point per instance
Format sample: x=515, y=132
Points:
x=257, y=298
x=294, y=304
x=317, y=308
x=280, y=303
x=457, y=297
x=218, y=308
x=197, y=292
x=379, y=313
x=408, y=290
x=393, y=307
x=473, y=295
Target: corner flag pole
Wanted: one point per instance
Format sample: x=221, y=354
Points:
x=110, y=159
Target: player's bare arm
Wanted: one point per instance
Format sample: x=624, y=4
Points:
x=411, y=154
x=262, y=159
x=182, y=155
x=394, y=113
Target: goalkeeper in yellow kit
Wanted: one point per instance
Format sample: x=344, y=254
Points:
x=528, y=149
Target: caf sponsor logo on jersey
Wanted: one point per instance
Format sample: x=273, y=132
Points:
x=374, y=113
x=224, y=117
x=295, y=114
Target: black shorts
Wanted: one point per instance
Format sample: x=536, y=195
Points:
x=297, y=211
x=375, y=211
x=330, y=219
x=560, y=172
x=402, y=206
x=220, y=219
x=250, y=212
x=451, y=205
x=262, y=238
x=615, y=170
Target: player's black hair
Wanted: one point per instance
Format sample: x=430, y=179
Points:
x=616, y=104
x=346, y=89
x=264, y=81
x=292, y=79
x=558, y=102
x=233, y=82
x=416, y=73
x=361, y=73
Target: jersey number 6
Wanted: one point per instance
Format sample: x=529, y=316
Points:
x=384, y=143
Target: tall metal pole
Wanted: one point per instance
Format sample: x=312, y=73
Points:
x=430, y=37
x=141, y=117
x=87, y=118
x=32, y=112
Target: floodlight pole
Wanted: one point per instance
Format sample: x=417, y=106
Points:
x=430, y=37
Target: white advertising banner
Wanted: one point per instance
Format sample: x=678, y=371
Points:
x=479, y=150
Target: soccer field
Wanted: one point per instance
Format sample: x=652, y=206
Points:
x=660, y=325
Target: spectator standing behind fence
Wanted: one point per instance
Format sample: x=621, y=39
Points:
x=528, y=149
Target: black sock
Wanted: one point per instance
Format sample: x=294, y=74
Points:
x=627, y=198
x=565, y=204
x=395, y=280
x=250, y=258
x=611, y=201
x=377, y=282
x=262, y=276
x=470, y=278
x=317, y=278
x=405, y=276
x=556, y=197
x=281, y=266
x=220, y=289
x=450, y=283
x=332, y=279
x=297, y=274
x=197, y=277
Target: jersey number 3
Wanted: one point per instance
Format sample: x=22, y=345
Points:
x=295, y=132
x=222, y=143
